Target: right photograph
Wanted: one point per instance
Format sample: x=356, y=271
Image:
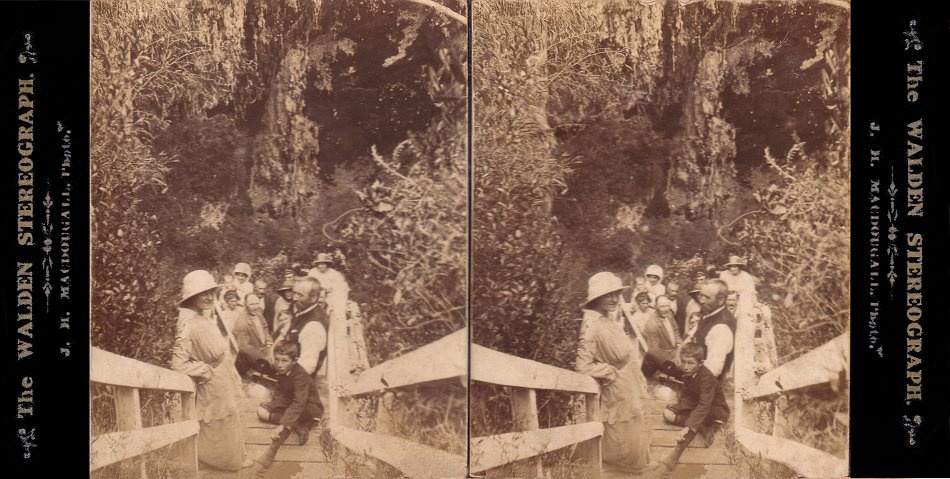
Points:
x=660, y=279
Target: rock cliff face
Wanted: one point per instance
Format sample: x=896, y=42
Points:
x=706, y=88
x=313, y=85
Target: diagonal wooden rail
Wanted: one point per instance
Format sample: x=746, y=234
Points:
x=350, y=378
x=125, y=446
x=447, y=359
x=529, y=441
x=818, y=366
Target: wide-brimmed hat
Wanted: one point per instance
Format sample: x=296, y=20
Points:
x=242, y=268
x=654, y=270
x=323, y=258
x=196, y=282
x=600, y=284
x=735, y=261
x=288, y=284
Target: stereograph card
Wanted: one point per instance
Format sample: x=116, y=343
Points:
x=487, y=238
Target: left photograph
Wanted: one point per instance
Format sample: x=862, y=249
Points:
x=279, y=238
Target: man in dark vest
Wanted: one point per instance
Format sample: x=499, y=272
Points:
x=715, y=331
x=717, y=328
x=309, y=326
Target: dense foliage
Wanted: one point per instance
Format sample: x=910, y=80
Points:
x=144, y=79
x=516, y=293
x=409, y=242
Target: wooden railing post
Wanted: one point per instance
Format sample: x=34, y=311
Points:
x=592, y=446
x=129, y=445
x=524, y=409
x=524, y=412
x=128, y=417
x=186, y=450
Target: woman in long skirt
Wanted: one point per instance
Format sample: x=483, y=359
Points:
x=606, y=353
x=206, y=350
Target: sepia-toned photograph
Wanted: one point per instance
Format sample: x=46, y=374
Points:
x=279, y=238
x=640, y=270
x=660, y=239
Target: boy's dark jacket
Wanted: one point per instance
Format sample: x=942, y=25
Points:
x=700, y=394
x=296, y=391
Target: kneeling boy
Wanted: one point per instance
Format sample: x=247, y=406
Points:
x=702, y=406
x=296, y=403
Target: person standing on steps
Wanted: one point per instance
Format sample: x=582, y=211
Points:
x=254, y=338
x=205, y=350
x=673, y=292
x=654, y=276
x=332, y=281
x=740, y=281
x=262, y=290
x=242, y=276
x=283, y=303
x=230, y=307
x=692, y=314
x=660, y=331
x=606, y=354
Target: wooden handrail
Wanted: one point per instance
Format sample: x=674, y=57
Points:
x=127, y=376
x=411, y=458
x=493, y=367
x=493, y=451
x=441, y=360
x=813, y=367
x=524, y=376
x=106, y=449
x=436, y=361
x=806, y=461
x=111, y=368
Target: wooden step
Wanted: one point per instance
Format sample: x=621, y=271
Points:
x=694, y=455
x=682, y=471
x=250, y=421
x=263, y=436
x=282, y=470
x=667, y=437
x=288, y=453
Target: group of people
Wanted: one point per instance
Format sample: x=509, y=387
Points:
x=687, y=340
x=238, y=328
